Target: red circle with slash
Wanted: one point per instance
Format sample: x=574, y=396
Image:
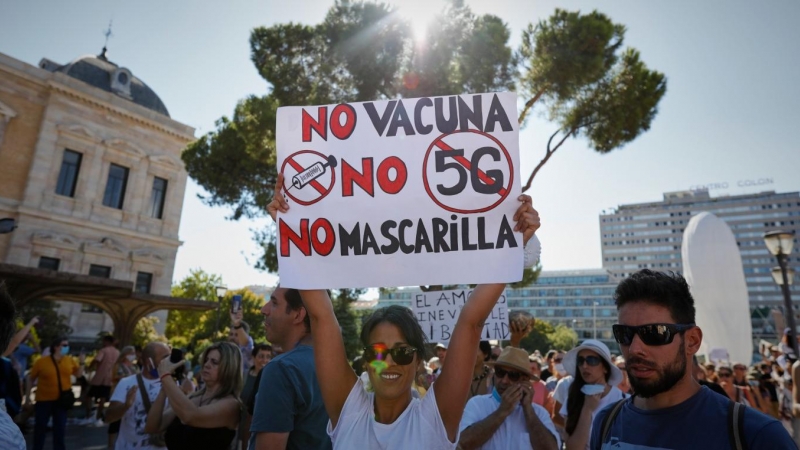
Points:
x=300, y=161
x=504, y=164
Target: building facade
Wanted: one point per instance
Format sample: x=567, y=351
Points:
x=649, y=235
x=90, y=169
x=582, y=300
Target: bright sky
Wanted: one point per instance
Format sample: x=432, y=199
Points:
x=730, y=112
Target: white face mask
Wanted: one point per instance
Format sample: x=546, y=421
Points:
x=130, y=357
x=560, y=369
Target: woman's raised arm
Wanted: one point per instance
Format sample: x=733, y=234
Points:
x=453, y=383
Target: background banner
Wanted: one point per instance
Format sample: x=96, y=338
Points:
x=437, y=312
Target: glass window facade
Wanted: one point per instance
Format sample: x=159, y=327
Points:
x=68, y=176
x=158, y=197
x=115, y=187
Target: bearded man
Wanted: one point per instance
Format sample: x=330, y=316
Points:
x=670, y=410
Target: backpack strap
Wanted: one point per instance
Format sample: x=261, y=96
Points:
x=736, y=425
x=608, y=420
x=58, y=374
x=143, y=393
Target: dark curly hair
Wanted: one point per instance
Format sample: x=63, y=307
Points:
x=669, y=290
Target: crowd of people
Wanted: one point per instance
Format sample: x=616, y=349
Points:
x=300, y=391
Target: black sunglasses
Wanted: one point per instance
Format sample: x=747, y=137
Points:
x=651, y=334
x=592, y=361
x=402, y=356
x=512, y=375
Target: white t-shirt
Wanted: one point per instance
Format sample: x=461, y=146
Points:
x=131, y=429
x=418, y=427
x=613, y=396
x=513, y=433
x=561, y=391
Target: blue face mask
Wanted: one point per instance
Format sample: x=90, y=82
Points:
x=65, y=350
x=496, y=395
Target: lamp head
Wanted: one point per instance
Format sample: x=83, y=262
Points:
x=221, y=291
x=779, y=242
x=778, y=276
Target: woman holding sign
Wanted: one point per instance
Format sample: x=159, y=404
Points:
x=394, y=342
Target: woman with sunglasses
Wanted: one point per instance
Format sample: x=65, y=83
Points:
x=738, y=394
x=389, y=417
x=207, y=419
x=594, y=387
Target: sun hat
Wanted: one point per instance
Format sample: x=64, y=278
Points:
x=513, y=357
x=571, y=359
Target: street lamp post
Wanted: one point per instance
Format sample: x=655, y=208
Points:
x=780, y=244
x=594, y=320
x=221, y=291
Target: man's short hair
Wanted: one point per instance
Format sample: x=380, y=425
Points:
x=8, y=315
x=669, y=290
x=294, y=302
x=108, y=338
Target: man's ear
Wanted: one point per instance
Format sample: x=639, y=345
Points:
x=300, y=316
x=693, y=337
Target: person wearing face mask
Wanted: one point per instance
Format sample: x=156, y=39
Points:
x=558, y=386
x=594, y=387
x=507, y=417
x=130, y=403
x=53, y=376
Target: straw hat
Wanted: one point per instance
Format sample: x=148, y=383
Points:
x=515, y=358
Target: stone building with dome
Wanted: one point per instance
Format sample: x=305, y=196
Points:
x=90, y=170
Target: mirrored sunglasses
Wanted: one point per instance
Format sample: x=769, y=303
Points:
x=653, y=334
x=402, y=356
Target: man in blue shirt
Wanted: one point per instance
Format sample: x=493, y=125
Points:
x=670, y=410
x=289, y=413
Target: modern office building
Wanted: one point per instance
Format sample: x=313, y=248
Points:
x=649, y=235
x=579, y=299
x=90, y=170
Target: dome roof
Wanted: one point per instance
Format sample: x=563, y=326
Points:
x=104, y=74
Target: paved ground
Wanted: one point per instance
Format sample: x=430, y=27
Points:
x=78, y=438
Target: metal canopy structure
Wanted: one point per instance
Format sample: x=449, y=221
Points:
x=115, y=297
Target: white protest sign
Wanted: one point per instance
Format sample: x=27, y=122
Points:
x=400, y=193
x=437, y=313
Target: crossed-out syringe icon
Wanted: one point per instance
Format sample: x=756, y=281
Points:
x=313, y=172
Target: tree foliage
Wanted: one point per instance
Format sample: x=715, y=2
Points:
x=195, y=330
x=51, y=326
x=576, y=66
x=145, y=332
x=572, y=66
x=545, y=336
x=349, y=320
